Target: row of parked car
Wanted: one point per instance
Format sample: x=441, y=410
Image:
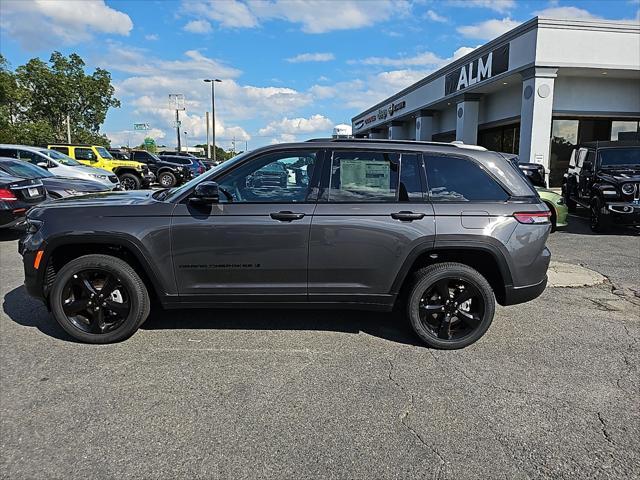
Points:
x=29, y=175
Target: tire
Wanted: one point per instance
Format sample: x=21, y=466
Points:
x=128, y=292
x=129, y=181
x=423, y=316
x=599, y=223
x=167, y=179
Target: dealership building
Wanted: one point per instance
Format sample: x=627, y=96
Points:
x=538, y=90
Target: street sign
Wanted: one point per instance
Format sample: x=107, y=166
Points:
x=176, y=101
x=141, y=126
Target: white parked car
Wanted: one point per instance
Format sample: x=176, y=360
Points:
x=59, y=164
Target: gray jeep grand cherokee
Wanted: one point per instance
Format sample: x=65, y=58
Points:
x=441, y=231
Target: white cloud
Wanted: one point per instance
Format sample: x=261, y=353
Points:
x=314, y=16
x=501, y=6
x=488, y=29
x=134, y=137
x=433, y=16
x=311, y=57
x=41, y=23
x=296, y=126
x=198, y=26
x=421, y=59
x=152, y=37
x=138, y=61
x=575, y=13
x=228, y=13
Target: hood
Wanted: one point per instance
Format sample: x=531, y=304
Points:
x=620, y=174
x=77, y=184
x=94, y=170
x=107, y=199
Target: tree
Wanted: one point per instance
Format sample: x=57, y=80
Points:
x=221, y=154
x=36, y=99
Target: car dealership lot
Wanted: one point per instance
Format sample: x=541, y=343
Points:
x=552, y=390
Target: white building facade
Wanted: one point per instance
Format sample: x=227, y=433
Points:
x=538, y=90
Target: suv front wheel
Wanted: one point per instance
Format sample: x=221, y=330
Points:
x=99, y=299
x=450, y=305
x=129, y=181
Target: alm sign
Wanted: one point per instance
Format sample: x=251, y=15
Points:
x=478, y=70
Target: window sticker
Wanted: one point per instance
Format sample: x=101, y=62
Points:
x=363, y=175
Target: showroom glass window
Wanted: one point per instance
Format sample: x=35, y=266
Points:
x=283, y=177
x=455, y=179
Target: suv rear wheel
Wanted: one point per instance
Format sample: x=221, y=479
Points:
x=450, y=305
x=99, y=299
x=129, y=181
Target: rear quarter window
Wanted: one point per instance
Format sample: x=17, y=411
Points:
x=455, y=179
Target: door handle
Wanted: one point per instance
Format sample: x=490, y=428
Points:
x=407, y=216
x=286, y=216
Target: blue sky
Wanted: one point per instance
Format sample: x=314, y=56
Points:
x=290, y=69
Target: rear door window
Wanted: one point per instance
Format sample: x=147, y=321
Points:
x=455, y=179
x=8, y=152
x=64, y=150
x=84, y=154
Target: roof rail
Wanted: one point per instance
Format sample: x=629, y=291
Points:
x=455, y=143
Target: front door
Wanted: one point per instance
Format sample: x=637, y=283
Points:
x=585, y=176
x=253, y=244
x=371, y=214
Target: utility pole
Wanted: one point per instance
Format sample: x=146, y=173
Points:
x=68, y=129
x=208, y=144
x=186, y=144
x=178, y=129
x=233, y=142
x=213, y=81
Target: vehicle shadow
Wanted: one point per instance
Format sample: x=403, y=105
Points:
x=26, y=311
x=578, y=223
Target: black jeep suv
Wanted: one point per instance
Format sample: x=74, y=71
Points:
x=605, y=178
x=441, y=231
x=168, y=174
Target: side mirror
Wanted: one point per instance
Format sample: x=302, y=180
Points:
x=43, y=164
x=206, y=192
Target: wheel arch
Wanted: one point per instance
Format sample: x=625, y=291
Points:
x=485, y=258
x=60, y=251
x=122, y=170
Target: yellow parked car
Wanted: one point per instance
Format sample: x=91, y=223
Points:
x=132, y=175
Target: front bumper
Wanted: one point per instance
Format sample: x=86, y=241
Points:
x=515, y=295
x=28, y=247
x=623, y=213
x=147, y=179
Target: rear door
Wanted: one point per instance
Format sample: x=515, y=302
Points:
x=585, y=177
x=370, y=215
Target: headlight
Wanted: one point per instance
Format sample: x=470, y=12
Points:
x=180, y=169
x=628, y=188
x=97, y=175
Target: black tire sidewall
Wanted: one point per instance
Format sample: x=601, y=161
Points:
x=428, y=277
x=138, y=297
x=132, y=177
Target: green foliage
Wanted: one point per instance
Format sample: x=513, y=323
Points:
x=36, y=98
x=221, y=154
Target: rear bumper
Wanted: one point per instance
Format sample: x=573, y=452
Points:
x=516, y=295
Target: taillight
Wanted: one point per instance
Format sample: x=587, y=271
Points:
x=7, y=195
x=532, y=217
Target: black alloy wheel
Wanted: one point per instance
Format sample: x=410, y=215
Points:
x=451, y=305
x=96, y=301
x=99, y=299
x=451, y=308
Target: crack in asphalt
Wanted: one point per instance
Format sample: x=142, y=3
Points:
x=404, y=417
x=605, y=431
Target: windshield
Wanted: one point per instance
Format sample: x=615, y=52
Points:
x=25, y=170
x=177, y=192
x=61, y=158
x=615, y=157
x=104, y=153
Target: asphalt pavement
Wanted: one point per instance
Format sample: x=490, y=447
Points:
x=551, y=391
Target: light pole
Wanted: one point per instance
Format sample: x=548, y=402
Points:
x=186, y=144
x=213, y=81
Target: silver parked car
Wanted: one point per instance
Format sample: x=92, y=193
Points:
x=60, y=164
